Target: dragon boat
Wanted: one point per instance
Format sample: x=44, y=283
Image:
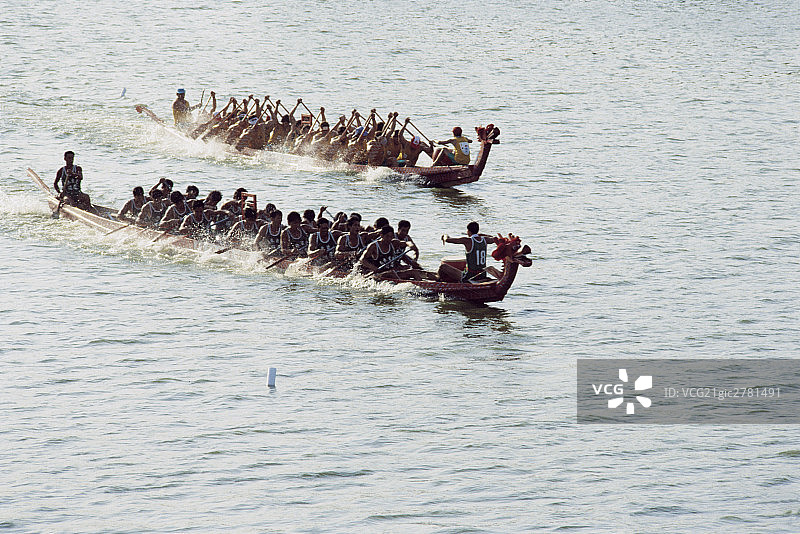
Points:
x=439, y=176
x=509, y=251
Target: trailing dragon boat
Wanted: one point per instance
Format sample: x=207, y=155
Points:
x=434, y=176
x=509, y=251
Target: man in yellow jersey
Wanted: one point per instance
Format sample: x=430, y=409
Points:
x=182, y=111
x=459, y=155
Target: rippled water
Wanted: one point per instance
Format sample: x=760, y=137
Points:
x=648, y=156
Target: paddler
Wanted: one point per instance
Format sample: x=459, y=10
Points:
x=351, y=244
x=459, y=155
x=245, y=231
x=134, y=205
x=294, y=240
x=153, y=211
x=182, y=111
x=176, y=212
x=323, y=240
x=197, y=223
x=269, y=237
x=382, y=258
x=69, y=177
x=476, y=269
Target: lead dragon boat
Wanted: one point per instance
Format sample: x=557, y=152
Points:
x=440, y=176
x=509, y=252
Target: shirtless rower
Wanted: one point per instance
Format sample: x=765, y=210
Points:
x=381, y=258
x=459, y=155
x=204, y=116
x=245, y=231
x=294, y=240
x=70, y=176
x=410, y=149
x=134, y=205
x=281, y=131
x=175, y=213
x=476, y=269
x=153, y=211
x=182, y=111
x=269, y=236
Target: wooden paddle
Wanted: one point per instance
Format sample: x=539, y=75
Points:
x=271, y=265
x=431, y=143
x=164, y=234
x=117, y=229
x=57, y=213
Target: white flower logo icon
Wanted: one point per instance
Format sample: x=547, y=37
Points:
x=642, y=383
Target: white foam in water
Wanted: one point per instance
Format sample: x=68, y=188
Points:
x=377, y=174
x=23, y=204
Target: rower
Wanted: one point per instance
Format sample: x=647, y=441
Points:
x=269, y=236
x=459, y=155
x=153, y=211
x=134, y=205
x=235, y=206
x=245, y=231
x=175, y=213
x=182, y=111
x=70, y=176
x=166, y=188
x=475, y=269
x=350, y=245
x=382, y=258
x=294, y=239
x=197, y=223
x=403, y=228
x=323, y=240
x=192, y=192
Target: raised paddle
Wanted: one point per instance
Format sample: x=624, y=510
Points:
x=419, y=132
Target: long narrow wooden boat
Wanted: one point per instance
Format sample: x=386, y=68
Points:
x=105, y=220
x=427, y=176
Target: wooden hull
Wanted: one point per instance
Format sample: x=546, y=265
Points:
x=426, y=176
x=106, y=222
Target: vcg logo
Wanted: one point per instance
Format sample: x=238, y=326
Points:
x=642, y=383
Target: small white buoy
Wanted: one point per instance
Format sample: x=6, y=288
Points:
x=271, y=377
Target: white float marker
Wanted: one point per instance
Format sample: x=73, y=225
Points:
x=271, y=377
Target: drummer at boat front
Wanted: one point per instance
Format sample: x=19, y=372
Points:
x=182, y=111
x=475, y=245
x=70, y=177
x=459, y=155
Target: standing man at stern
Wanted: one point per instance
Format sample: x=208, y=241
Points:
x=182, y=111
x=70, y=176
